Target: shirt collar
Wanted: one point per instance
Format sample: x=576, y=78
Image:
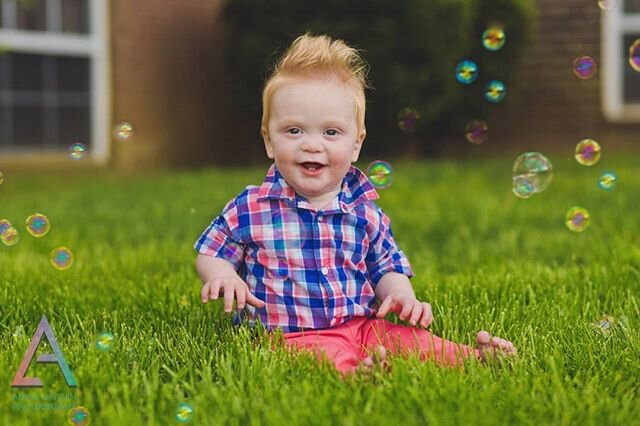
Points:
x=356, y=189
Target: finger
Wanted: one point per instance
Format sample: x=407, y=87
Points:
x=384, y=308
x=204, y=292
x=214, y=289
x=407, y=307
x=228, y=296
x=254, y=301
x=241, y=296
x=427, y=315
x=416, y=313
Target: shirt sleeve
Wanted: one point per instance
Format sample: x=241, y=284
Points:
x=222, y=238
x=384, y=255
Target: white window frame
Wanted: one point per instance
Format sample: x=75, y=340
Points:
x=615, y=24
x=93, y=46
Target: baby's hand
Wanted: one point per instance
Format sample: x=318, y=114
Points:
x=407, y=307
x=228, y=286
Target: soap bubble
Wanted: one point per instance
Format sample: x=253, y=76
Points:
x=634, y=55
x=380, y=174
x=408, y=119
x=477, y=131
x=77, y=151
x=577, y=219
x=123, y=131
x=493, y=38
x=4, y=225
x=608, y=4
x=532, y=173
x=61, y=258
x=495, y=91
x=587, y=152
x=607, y=181
x=584, y=67
x=10, y=237
x=104, y=341
x=1, y=178
x=38, y=225
x=605, y=324
x=79, y=416
x=184, y=413
x=467, y=72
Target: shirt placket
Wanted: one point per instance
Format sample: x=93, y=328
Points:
x=323, y=263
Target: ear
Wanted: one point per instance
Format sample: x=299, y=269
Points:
x=358, y=145
x=268, y=146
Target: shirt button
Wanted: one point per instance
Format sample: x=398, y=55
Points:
x=333, y=321
x=320, y=218
x=325, y=271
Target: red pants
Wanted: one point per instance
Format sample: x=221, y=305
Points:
x=347, y=344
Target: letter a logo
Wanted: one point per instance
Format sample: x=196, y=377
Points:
x=44, y=329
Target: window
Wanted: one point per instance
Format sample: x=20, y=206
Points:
x=621, y=84
x=53, y=76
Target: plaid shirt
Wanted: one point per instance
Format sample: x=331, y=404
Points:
x=312, y=268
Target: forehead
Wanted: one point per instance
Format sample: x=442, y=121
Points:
x=318, y=91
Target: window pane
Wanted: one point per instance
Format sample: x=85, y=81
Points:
x=26, y=71
x=73, y=126
x=632, y=6
x=631, y=80
x=28, y=126
x=75, y=16
x=31, y=15
x=73, y=74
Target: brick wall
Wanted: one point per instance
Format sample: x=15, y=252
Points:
x=169, y=81
x=549, y=107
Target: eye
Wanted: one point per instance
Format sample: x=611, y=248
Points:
x=294, y=131
x=332, y=132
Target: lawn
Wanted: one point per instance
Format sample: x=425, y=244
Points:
x=483, y=258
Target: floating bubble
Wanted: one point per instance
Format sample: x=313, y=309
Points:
x=587, y=152
x=79, y=416
x=477, y=131
x=104, y=341
x=608, y=4
x=577, y=219
x=523, y=187
x=634, y=55
x=61, y=258
x=1, y=178
x=38, y=225
x=408, y=119
x=493, y=38
x=467, y=72
x=607, y=181
x=380, y=174
x=77, y=151
x=184, y=301
x=10, y=237
x=584, y=67
x=532, y=173
x=184, y=413
x=4, y=225
x=495, y=91
x=123, y=131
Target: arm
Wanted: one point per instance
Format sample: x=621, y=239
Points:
x=209, y=267
x=393, y=282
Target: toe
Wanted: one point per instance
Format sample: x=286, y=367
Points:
x=368, y=362
x=483, y=338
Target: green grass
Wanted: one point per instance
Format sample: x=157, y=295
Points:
x=482, y=257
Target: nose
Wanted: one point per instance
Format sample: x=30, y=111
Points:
x=312, y=144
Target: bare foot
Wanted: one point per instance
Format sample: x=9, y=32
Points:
x=493, y=347
x=378, y=357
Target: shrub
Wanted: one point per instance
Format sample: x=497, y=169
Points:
x=412, y=46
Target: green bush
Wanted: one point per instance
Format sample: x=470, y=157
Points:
x=412, y=46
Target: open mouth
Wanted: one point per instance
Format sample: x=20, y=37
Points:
x=311, y=166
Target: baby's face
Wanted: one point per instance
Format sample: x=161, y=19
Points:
x=313, y=135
